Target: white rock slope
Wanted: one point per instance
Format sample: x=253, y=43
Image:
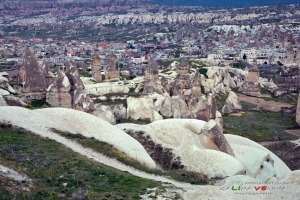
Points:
x=41, y=120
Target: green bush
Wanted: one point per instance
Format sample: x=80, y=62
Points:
x=203, y=71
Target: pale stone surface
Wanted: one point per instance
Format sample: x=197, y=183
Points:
x=156, y=116
x=2, y=101
x=104, y=113
x=3, y=79
x=4, y=92
x=232, y=105
x=268, y=84
x=15, y=100
x=200, y=144
x=279, y=166
x=4, y=76
x=74, y=121
x=140, y=108
x=198, y=154
x=254, y=160
x=105, y=88
x=10, y=89
x=12, y=174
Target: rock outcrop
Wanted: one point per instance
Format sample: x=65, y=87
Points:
x=104, y=112
x=97, y=68
x=34, y=78
x=252, y=86
x=203, y=107
x=151, y=80
x=141, y=108
x=49, y=76
x=58, y=93
x=112, y=68
x=2, y=101
x=199, y=146
x=232, y=105
x=80, y=99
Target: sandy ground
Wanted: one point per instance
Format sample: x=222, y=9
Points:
x=294, y=132
x=266, y=105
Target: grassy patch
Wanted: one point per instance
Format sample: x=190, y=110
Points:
x=84, y=73
x=60, y=173
x=261, y=126
x=265, y=91
x=203, y=71
x=138, y=121
x=38, y=103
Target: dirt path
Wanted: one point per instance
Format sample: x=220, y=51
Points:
x=266, y=105
x=295, y=132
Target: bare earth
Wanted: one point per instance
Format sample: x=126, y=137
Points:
x=266, y=105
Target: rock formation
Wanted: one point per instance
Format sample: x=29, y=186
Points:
x=183, y=78
x=232, y=105
x=103, y=112
x=141, y=108
x=199, y=146
x=97, y=68
x=151, y=76
x=58, y=93
x=151, y=81
x=290, y=55
x=80, y=99
x=112, y=68
x=196, y=89
x=34, y=78
x=203, y=107
x=2, y=101
x=49, y=76
x=252, y=85
x=7, y=93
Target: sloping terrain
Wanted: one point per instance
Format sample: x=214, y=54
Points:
x=42, y=158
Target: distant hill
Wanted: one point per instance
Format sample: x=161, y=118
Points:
x=225, y=3
x=219, y=3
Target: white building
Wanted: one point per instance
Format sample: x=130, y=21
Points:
x=214, y=57
x=250, y=54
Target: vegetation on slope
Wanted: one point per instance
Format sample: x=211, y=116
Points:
x=110, y=151
x=59, y=173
